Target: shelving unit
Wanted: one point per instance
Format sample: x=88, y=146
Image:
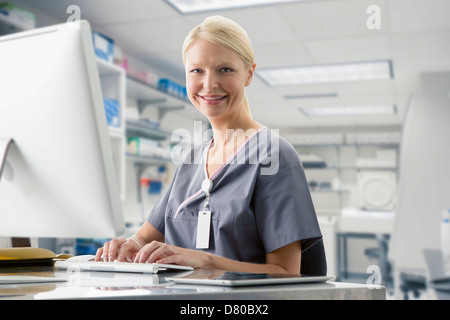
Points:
x=341, y=165
x=155, y=104
x=150, y=96
x=8, y=25
x=112, y=79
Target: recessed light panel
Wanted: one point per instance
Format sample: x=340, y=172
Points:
x=195, y=6
x=358, y=71
x=349, y=111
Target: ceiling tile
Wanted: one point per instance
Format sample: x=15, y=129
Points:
x=418, y=15
x=263, y=24
x=282, y=54
x=100, y=12
x=154, y=36
x=368, y=48
x=331, y=19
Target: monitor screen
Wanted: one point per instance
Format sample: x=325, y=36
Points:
x=58, y=177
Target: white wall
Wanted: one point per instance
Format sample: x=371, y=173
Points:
x=424, y=190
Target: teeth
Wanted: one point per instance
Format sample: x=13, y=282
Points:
x=212, y=98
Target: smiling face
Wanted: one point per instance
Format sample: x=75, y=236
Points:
x=216, y=78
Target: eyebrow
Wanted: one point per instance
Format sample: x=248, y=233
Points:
x=221, y=64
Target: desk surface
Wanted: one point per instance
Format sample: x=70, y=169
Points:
x=110, y=285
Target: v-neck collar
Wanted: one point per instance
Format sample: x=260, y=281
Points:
x=206, y=152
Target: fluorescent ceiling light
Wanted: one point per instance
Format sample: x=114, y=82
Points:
x=350, y=111
x=358, y=71
x=310, y=96
x=193, y=6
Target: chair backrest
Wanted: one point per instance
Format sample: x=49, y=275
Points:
x=314, y=262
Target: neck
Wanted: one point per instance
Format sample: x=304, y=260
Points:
x=233, y=129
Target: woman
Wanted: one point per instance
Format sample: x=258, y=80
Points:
x=240, y=203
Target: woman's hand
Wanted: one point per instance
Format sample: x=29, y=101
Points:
x=159, y=252
x=126, y=249
x=120, y=250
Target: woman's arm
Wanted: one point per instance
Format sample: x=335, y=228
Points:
x=282, y=260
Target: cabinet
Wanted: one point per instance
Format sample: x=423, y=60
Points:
x=335, y=172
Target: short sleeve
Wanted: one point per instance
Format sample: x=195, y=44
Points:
x=157, y=216
x=283, y=206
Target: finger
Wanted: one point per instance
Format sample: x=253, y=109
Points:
x=126, y=250
x=105, y=251
x=114, y=248
x=98, y=254
x=163, y=251
x=144, y=254
x=131, y=256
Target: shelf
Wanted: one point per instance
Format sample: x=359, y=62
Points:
x=10, y=25
x=137, y=129
x=145, y=160
x=115, y=132
x=106, y=68
x=147, y=94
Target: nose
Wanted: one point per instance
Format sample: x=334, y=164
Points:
x=210, y=81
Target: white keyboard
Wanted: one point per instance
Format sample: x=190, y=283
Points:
x=83, y=263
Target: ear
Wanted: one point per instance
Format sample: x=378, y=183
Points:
x=251, y=71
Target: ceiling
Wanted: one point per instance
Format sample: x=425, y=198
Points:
x=414, y=34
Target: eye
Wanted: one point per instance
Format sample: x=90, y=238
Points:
x=225, y=69
x=195, y=71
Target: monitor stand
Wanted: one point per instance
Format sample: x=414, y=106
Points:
x=5, y=143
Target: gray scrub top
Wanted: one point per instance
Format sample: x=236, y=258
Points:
x=260, y=201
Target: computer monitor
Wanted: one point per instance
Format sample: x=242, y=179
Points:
x=58, y=177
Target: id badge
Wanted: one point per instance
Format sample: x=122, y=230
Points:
x=203, y=229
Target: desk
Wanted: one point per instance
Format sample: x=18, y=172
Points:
x=436, y=269
x=368, y=225
x=110, y=285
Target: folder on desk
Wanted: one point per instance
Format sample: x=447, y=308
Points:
x=27, y=256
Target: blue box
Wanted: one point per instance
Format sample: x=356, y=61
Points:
x=103, y=46
x=172, y=88
x=112, y=110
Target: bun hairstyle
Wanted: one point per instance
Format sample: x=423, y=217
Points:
x=224, y=32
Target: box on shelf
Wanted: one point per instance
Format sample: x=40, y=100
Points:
x=112, y=110
x=24, y=18
x=103, y=47
x=148, y=77
x=172, y=88
x=145, y=147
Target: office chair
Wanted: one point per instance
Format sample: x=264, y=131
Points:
x=313, y=261
x=381, y=253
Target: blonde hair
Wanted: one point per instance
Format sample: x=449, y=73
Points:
x=225, y=32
